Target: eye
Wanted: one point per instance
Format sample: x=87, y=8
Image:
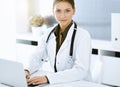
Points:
x=58, y=10
x=67, y=10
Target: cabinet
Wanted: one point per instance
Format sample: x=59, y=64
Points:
x=109, y=55
x=26, y=43
x=102, y=47
x=115, y=29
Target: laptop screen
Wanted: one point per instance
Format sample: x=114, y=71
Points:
x=12, y=73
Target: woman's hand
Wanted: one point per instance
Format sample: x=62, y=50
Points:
x=37, y=80
x=27, y=74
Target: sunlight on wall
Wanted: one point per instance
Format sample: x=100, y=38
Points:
x=7, y=29
x=21, y=9
x=43, y=7
x=46, y=7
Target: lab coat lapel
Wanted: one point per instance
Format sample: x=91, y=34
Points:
x=67, y=39
x=52, y=46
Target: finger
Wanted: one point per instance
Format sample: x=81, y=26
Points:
x=37, y=83
x=27, y=77
x=35, y=80
x=33, y=83
x=32, y=80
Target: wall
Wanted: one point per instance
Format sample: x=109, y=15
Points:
x=7, y=29
x=95, y=16
x=92, y=15
x=22, y=16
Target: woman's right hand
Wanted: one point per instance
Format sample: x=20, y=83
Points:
x=27, y=74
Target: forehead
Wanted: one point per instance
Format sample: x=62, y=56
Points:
x=62, y=4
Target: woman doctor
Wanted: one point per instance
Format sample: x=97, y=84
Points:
x=67, y=52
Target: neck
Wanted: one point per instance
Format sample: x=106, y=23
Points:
x=62, y=28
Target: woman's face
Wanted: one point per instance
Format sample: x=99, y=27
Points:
x=63, y=12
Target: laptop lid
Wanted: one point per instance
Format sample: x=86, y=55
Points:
x=12, y=73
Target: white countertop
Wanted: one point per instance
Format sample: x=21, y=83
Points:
x=105, y=45
x=98, y=44
x=72, y=84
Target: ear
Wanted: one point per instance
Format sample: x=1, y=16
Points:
x=74, y=10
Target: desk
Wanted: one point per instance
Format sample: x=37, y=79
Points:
x=72, y=84
x=78, y=84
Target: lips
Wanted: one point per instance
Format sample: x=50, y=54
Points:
x=63, y=20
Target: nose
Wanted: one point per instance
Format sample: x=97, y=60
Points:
x=62, y=14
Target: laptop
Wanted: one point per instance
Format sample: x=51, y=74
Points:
x=12, y=74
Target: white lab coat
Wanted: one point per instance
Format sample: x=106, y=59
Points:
x=69, y=68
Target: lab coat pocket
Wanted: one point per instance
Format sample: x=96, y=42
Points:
x=69, y=62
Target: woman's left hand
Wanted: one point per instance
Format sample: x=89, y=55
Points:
x=37, y=80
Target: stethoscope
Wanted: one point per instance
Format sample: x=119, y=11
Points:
x=72, y=39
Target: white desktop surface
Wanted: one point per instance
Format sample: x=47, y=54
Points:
x=72, y=84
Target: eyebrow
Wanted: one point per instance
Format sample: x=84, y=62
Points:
x=65, y=9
